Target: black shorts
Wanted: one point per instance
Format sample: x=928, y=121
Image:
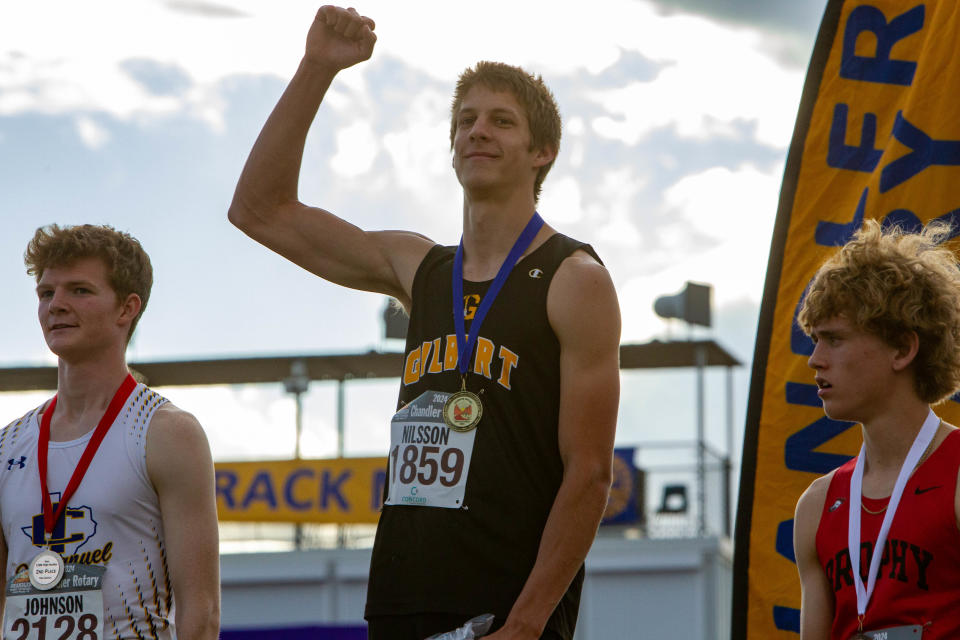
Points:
x=419, y=626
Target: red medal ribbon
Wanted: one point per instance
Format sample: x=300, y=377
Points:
x=119, y=399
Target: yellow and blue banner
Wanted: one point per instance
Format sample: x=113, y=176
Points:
x=334, y=491
x=877, y=137
x=350, y=490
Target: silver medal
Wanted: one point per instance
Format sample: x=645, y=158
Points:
x=46, y=570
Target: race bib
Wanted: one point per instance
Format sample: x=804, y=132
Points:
x=72, y=610
x=907, y=632
x=429, y=462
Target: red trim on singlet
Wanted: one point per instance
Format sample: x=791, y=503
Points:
x=919, y=577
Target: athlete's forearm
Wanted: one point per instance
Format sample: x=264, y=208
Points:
x=271, y=173
x=197, y=621
x=569, y=532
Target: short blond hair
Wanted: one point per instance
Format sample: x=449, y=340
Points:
x=128, y=265
x=531, y=92
x=888, y=283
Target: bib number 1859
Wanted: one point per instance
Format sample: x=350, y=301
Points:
x=426, y=464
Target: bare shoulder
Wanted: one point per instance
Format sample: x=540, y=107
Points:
x=943, y=433
x=171, y=419
x=817, y=602
x=582, y=297
x=403, y=240
x=806, y=519
x=812, y=499
x=176, y=445
x=580, y=274
x=580, y=262
x=407, y=247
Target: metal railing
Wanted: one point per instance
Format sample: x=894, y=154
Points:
x=684, y=490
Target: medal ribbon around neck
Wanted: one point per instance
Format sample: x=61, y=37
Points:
x=920, y=444
x=119, y=399
x=464, y=346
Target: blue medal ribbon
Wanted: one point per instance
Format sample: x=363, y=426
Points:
x=465, y=347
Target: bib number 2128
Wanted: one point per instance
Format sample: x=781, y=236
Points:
x=64, y=627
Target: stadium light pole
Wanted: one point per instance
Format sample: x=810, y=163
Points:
x=693, y=306
x=297, y=383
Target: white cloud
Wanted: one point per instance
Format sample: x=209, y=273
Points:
x=92, y=134
x=561, y=200
x=419, y=147
x=727, y=205
x=736, y=208
x=357, y=148
x=614, y=210
x=241, y=422
x=548, y=38
x=574, y=126
x=715, y=76
x=63, y=56
x=715, y=79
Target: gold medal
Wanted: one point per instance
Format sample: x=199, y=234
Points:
x=46, y=570
x=462, y=410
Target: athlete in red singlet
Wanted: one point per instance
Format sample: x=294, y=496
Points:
x=884, y=314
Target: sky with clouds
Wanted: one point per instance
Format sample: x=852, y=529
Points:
x=140, y=113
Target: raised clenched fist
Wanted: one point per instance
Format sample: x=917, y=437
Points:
x=340, y=38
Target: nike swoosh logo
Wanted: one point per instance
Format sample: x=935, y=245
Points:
x=918, y=490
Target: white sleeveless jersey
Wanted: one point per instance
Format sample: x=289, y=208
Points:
x=113, y=519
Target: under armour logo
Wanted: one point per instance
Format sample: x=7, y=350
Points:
x=535, y=273
x=21, y=463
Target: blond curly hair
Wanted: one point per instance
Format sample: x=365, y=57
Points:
x=531, y=92
x=890, y=282
x=128, y=265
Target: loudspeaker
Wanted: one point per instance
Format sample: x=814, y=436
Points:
x=395, y=321
x=692, y=304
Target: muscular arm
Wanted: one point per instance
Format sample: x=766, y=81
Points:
x=816, y=608
x=265, y=204
x=582, y=307
x=181, y=470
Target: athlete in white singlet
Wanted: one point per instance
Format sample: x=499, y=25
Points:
x=113, y=518
x=107, y=506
